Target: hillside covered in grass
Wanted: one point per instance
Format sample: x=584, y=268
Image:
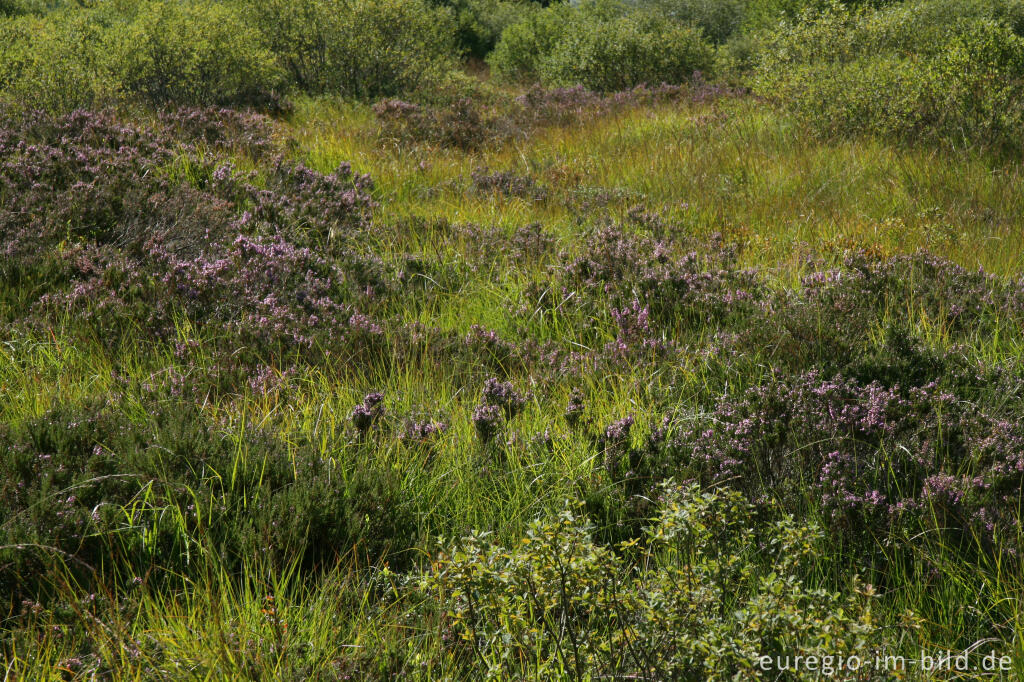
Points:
x=486, y=339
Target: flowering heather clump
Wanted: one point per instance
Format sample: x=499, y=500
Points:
x=463, y=124
x=366, y=413
x=529, y=244
x=492, y=349
x=82, y=174
x=558, y=106
x=502, y=394
x=469, y=125
x=876, y=457
x=615, y=442
x=221, y=129
x=947, y=292
x=488, y=420
x=636, y=270
x=508, y=184
x=263, y=287
x=424, y=430
x=91, y=212
x=634, y=330
x=575, y=408
x=830, y=319
x=299, y=198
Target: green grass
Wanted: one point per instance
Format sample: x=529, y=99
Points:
x=734, y=166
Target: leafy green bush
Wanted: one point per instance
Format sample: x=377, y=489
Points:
x=479, y=23
x=718, y=19
x=629, y=51
x=57, y=63
x=710, y=589
x=523, y=45
x=357, y=48
x=198, y=53
x=602, y=46
x=921, y=71
x=208, y=52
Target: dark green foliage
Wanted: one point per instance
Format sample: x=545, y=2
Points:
x=479, y=23
x=717, y=19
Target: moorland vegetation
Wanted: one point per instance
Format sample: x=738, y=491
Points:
x=462, y=339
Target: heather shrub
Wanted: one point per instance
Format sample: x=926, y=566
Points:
x=196, y=53
x=463, y=124
x=357, y=48
x=221, y=129
x=110, y=493
x=919, y=71
x=829, y=320
x=712, y=587
x=650, y=284
x=507, y=183
x=877, y=460
x=270, y=261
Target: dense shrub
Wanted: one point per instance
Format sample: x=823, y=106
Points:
x=626, y=51
x=463, y=123
x=717, y=19
x=919, y=71
x=602, y=46
x=524, y=44
x=205, y=52
x=141, y=244
x=58, y=63
x=195, y=53
x=357, y=48
x=479, y=23
x=699, y=603
x=876, y=459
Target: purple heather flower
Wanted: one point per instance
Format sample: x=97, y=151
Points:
x=488, y=420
